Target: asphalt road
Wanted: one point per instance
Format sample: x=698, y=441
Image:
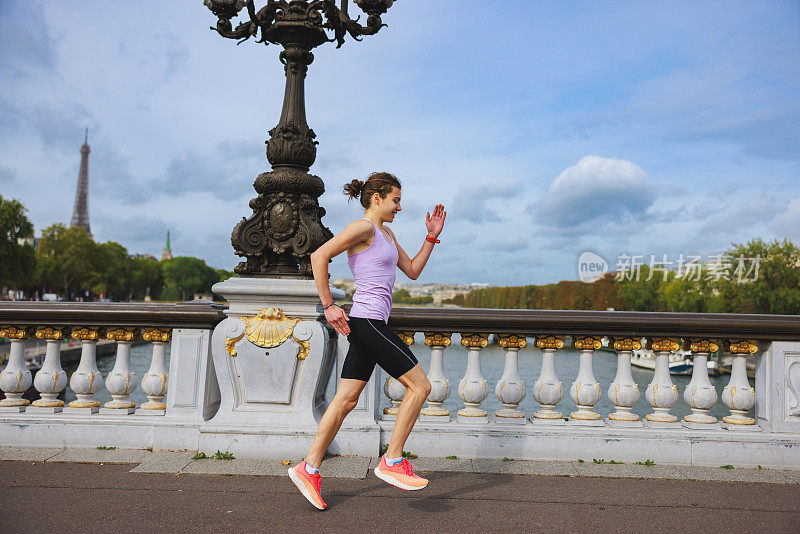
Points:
x=72, y=497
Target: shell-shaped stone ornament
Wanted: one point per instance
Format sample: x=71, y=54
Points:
x=269, y=328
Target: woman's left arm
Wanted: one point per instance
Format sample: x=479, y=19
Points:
x=434, y=223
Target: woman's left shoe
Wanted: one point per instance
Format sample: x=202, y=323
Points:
x=400, y=475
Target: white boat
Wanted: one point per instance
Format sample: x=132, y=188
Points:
x=680, y=362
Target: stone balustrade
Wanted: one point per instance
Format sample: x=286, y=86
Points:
x=256, y=379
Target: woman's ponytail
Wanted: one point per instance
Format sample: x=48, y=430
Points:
x=353, y=189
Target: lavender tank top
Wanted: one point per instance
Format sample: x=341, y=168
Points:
x=374, y=272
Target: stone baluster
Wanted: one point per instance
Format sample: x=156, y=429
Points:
x=440, y=385
x=472, y=388
x=585, y=391
x=510, y=389
x=86, y=380
x=15, y=378
x=738, y=396
x=121, y=381
x=154, y=383
x=51, y=379
x=662, y=393
x=623, y=391
x=392, y=388
x=547, y=390
x=700, y=395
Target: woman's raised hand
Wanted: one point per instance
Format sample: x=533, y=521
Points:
x=434, y=223
x=338, y=319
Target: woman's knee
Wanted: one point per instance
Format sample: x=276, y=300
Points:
x=421, y=388
x=344, y=404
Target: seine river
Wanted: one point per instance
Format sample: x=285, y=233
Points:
x=492, y=362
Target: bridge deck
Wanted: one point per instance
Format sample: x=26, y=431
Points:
x=47, y=490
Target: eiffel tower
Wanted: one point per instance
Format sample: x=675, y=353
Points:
x=80, y=213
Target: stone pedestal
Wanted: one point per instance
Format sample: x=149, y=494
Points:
x=273, y=358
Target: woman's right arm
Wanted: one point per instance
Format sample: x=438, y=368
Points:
x=356, y=232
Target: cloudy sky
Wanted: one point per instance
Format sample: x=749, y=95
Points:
x=546, y=128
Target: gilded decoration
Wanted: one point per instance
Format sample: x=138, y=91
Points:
x=52, y=333
x=701, y=345
x=625, y=343
x=406, y=335
x=587, y=342
x=550, y=342
x=17, y=332
x=269, y=328
x=741, y=346
x=512, y=341
x=663, y=344
x=474, y=341
x=122, y=333
x=86, y=333
x=438, y=339
x=157, y=335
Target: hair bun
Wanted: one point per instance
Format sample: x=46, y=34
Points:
x=354, y=188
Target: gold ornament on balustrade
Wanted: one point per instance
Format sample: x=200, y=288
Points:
x=663, y=344
x=267, y=329
x=625, y=343
x=406, y=335
x=701, y=345
x=512, y=341
x=474, y=341
x=17, y=332
x=587, y=342
x=50, y=333
x=123, y=333
x=86, y=333
x=157, y=335
x=549, y=342
x=438, y=339
x=740, y=346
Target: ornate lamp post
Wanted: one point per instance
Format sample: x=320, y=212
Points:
x=277, y=240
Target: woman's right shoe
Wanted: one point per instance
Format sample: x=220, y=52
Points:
x=400, y=475
x=308, y=484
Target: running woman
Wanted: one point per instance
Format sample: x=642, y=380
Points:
x=373, y=253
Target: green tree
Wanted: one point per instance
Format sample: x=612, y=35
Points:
x=184, y=276
x=147, y=278
x=17, y=258
x=67, y=259
x=112, y=276
x=765, y=278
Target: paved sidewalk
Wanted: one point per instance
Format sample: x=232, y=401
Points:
x=358, y=467
x=49, y=490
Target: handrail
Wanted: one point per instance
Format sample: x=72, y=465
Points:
x=606, y=323
x=199, y=314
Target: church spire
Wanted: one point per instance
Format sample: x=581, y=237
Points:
x=167, y=254
x=80, y=213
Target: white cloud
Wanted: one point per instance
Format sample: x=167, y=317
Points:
x=593, y=192
x=787, y=224
x=475, y=202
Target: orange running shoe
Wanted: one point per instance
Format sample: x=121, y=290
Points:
x=400, y=475
x=309, y=485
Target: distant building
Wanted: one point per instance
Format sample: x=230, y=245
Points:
x=167, y=254
x=80, y=213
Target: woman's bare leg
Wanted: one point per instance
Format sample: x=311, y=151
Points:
x=343, y=402
x=417, y=389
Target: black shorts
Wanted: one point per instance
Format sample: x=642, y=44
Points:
x=371, y=342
